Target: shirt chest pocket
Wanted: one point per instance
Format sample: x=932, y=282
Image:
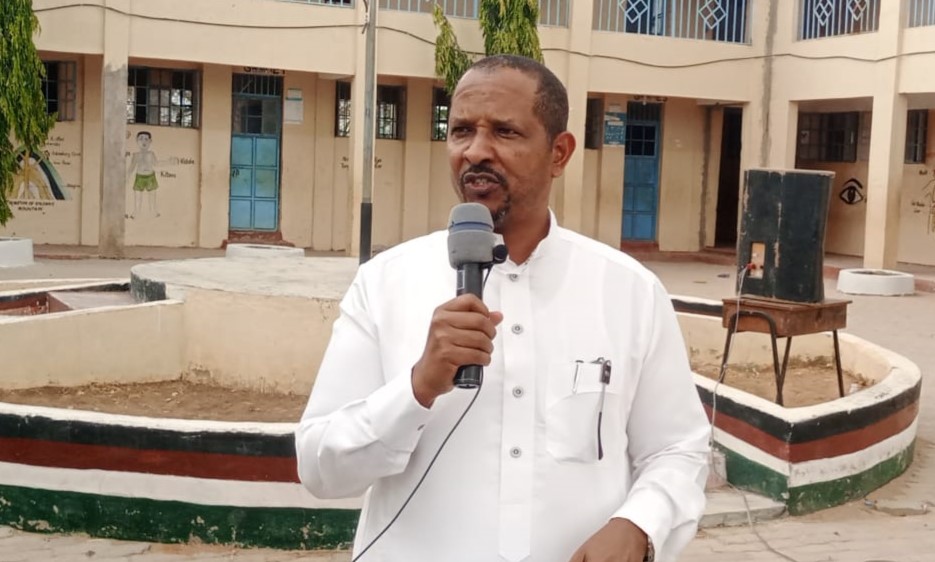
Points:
x=582, y=412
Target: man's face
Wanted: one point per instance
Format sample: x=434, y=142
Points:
x=498, y=149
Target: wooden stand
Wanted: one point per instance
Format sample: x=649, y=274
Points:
x=783, y=319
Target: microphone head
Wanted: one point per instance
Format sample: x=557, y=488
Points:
x=470, y=235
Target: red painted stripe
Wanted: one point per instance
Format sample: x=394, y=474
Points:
x=832, y=446
x=37, y=452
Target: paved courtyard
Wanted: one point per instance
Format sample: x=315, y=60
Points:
x=894, y=524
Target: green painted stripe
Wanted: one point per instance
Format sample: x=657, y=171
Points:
x=749, y=475
x=112, y=517
x=820, y=495
x=753, y=476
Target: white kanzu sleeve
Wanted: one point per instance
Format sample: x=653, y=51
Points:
x=668, y=433
x=358, y=426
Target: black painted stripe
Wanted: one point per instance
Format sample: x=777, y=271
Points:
x=694, y=307
x=146, y=290
x=115, y=435
x=817, y=428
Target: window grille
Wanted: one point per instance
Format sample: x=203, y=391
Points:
x=59, y=86
x=342, y=109
x=160, y=96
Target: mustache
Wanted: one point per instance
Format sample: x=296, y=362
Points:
x=483, y=170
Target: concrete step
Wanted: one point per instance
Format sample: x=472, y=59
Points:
x=727, y=508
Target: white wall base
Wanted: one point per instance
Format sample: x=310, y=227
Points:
x=15, y=252
x=881, y=282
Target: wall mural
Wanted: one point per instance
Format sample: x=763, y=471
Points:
x=926, y=203
x=142, y=177
x=853, y=192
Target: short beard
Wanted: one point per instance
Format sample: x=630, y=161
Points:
x=501, y=214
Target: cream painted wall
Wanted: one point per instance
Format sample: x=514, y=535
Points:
x=90, y=109
x=917, y=207
x=168, y=215
x=298, y=157
x=681, y=176
x=214, y=197
x=388, y=193
x=130, y=344
x=442, y=196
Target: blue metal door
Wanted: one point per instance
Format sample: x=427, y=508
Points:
x=641, y=172
x=255, y=141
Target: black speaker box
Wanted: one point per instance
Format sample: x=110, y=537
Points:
x=782, y=234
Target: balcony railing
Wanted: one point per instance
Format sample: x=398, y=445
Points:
x=830, y=18
x=921, y=12
x=551, y=12
x=714, y=20
x=339, y=3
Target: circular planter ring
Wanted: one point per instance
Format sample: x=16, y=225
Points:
x=880, y=282
x=262, y=251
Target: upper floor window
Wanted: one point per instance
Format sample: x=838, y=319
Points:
x=59, y=86
x=829, y=18
x=162, y=96
x=391, y=108
x=916, y=136
x=441, y=102
x=342, y=109
x=828, y=137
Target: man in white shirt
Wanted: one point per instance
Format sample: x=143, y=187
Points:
x=554, y=462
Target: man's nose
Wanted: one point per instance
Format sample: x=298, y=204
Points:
x=480, y=148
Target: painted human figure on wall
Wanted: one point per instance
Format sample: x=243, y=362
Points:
x=928, y=195
x=142, y=174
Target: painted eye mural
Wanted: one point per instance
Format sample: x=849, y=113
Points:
x=853, y=192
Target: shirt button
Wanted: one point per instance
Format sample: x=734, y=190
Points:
x=513, y=276
x=518, y=392
x=516, y=452
x=517, y=329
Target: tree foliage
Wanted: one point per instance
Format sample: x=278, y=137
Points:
x=23, y=113
x=508, y=26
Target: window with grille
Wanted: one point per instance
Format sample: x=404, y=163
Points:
x=593, y=123
x=916, y=135
x=828, y=137
x=342, y=109
x=59, y=86
x=391, y=103
x=441, y=102
x=162, y=96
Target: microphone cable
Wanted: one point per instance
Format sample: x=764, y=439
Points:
x=425, y=473
x=422, y=478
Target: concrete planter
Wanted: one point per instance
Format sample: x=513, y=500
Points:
x=15, y=252
x=262, y=251
x=880, y=282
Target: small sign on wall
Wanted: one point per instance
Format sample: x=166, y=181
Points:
x=294, y=107
x=615, y=128
x=263, y=70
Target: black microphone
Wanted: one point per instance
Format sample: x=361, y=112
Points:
x=472, y=248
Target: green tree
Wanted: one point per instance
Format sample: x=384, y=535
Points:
x=509, y=27
x=23, y=113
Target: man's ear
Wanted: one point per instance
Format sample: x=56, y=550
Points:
x=562, y=148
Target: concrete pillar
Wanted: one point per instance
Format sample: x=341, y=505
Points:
x=417, y=158
x=358, y=87
x=887, y=144
x=326, y=187
x=576, y=82
x=91, y=138
x=114, y=126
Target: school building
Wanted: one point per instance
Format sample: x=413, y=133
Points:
x=191, y=123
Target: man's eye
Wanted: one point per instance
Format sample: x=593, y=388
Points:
x=506, y=132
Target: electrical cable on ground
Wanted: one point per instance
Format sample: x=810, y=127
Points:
x=750, y=521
